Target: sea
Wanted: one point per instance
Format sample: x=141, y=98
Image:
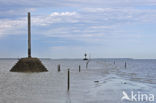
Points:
x=104, y=80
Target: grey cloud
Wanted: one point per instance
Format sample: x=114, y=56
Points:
x=73, y=3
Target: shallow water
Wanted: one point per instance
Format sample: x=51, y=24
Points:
x=102, y=82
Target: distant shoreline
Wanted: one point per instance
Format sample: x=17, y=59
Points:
x=79, y=59
x=19, y=58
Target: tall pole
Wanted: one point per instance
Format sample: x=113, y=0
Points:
x=29, y=35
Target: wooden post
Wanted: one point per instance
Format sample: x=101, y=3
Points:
x=68, y=81
x=87, y=64
x=114, y=62
x=125, y=65
x=59, y=68
x=79, y=68
x=29, y=35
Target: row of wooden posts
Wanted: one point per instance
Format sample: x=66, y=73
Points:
x=68, y=78
x=59, y=68
x=124, y=65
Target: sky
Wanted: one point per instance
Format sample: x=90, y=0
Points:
x=70, y=28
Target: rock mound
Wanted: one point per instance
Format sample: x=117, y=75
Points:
x=29, y=65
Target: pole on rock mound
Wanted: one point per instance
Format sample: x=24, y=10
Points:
x=68, y=81
x=29, y=35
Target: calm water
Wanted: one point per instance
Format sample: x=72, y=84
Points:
x=102, y=82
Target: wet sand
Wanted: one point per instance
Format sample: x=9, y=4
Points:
x=102, y=82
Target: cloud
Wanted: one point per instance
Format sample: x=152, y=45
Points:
x=87, y=25
x=63, y=14
x=104, y=23
x=55, y=17
x=11, y=26
x=121, y=15
x=78, y=3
